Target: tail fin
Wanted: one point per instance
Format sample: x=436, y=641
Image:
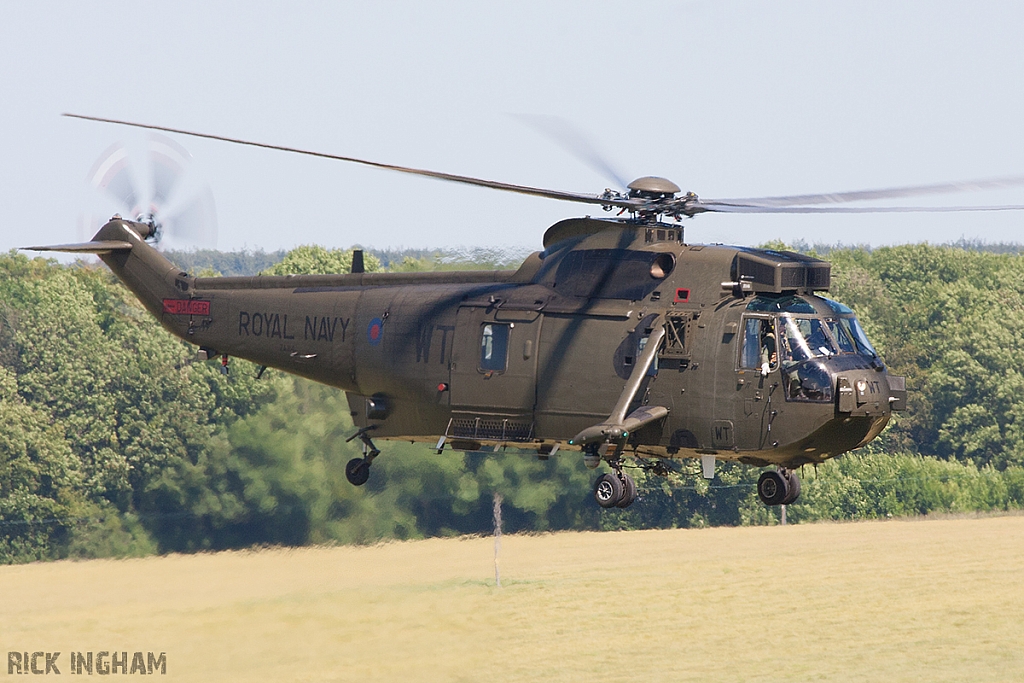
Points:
x=94, y=247
x=152, y=278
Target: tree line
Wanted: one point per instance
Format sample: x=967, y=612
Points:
x=115, y=440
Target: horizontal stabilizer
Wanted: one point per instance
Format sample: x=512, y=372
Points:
x=97, y=247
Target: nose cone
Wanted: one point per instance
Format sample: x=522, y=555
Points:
x=865, y=396
x=835, y=437
x=863, y=393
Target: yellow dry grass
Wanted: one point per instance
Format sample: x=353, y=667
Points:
x=931, y=600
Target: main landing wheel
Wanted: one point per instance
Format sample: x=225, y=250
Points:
x=794, y=487
x=772, y=488
x=628, y=492
x=615, y=490
x=608, y=490
x=357, y=471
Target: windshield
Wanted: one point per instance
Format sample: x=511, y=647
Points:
x=854, y=329
x=847, y=326
x=805, y=338
x=841, y=333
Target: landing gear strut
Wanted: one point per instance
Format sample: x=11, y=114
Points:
x=781, y=487
x=357, y=471
x=615, y=489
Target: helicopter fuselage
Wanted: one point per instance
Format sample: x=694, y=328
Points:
x=750, y=363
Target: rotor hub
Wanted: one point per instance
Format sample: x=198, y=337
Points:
x=653, y=187
x=155, y=227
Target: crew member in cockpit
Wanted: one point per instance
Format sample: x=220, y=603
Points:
x=769, y=350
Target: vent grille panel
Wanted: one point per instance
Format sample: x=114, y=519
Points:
x=490, y=429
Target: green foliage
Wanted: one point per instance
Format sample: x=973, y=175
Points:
x=39, y=479
x=952, y=321
x=208, y=262
x=114, y=442
x=93, y=382
x=412, y=264
x=312, y=259
x=100, y=530
x=855, y=486
x=280, y=480
x=213, y=262
x=864, y=486
x=459, y=259
x=472, y=258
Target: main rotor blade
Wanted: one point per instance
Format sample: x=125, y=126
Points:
x=715, y=207
x=574, y=141
x=466, y=180
x=884, y=193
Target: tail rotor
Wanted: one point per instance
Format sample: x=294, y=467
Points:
x=152, y=182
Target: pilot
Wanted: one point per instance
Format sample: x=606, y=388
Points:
x=796, y=345
x=769, y=351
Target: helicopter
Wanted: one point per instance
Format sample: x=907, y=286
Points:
x=619, y=340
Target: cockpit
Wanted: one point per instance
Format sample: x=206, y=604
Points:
x=804, y=337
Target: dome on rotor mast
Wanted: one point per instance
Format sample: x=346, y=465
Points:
x=652, y=186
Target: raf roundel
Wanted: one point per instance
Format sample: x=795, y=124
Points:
x=375, y=331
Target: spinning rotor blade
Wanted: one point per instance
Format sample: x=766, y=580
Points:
x=466, y=180
x=576, y=143
x=713, y=206
x=884, y=193
x=112, y=174
x=661, y=203
x=194, y=222
x=150, y=181
x=167, y=164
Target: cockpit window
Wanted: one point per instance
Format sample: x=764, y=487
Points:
x=803, y=341
x=845, y=335
x=760, y=349
x=808, y=381
x=857, y=332
x=807, y=335
x=839, y=308
x=805, y=338
x=840, y=330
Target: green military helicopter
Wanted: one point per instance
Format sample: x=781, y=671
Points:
x=618, y=340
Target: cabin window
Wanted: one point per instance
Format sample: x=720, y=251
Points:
x=494, y=347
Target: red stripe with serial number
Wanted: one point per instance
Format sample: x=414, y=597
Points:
x=186, y=306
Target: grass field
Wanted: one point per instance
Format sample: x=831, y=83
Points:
x=927, y=600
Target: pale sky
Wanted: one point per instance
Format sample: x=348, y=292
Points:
x=728, y=98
